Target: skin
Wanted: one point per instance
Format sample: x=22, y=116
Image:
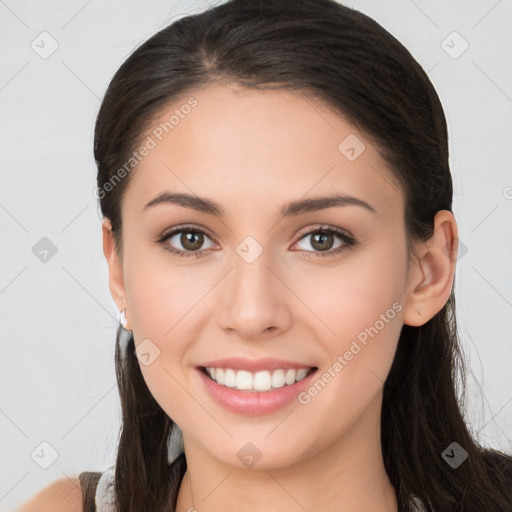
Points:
x=62, y=495
x=252, y=152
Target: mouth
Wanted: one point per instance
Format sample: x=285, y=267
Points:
x=256, y=382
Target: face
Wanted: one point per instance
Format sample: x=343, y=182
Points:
x=321, y=287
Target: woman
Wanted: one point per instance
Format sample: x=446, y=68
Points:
x=278, y=226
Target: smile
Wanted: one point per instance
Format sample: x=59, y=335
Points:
x=256, y=392
x=256, y=381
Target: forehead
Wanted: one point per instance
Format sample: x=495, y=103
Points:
x=238, y=144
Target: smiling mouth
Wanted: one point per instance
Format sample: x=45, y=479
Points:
x=256, y=382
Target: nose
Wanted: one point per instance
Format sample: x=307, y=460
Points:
x=253, y=300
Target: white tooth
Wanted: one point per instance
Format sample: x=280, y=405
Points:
x=290, y=377
x=230, y=378
x=262, y=381
x=301, y=373
x=259, y=381
x=278, y=379
x=220, y=376
x=244, y=380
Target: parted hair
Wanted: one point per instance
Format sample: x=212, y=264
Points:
x=346, y=60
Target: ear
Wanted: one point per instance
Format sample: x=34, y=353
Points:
x=115, y=268
x=431, y=277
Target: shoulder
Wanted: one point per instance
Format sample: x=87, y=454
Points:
x=64, y=495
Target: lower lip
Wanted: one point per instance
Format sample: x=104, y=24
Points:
x=251, y=402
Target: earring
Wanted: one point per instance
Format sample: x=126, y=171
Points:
x=122, y=319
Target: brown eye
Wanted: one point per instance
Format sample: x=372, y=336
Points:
x=186, y=241
x=191, y=240
x=323, y=241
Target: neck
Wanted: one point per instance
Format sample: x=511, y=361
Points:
x=347, y=476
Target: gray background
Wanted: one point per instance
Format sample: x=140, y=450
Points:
x=57, y=318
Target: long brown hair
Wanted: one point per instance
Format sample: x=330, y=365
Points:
x=348, y=61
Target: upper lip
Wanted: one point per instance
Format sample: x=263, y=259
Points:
x=254, y=365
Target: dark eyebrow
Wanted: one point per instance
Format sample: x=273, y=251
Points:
x=293, y=208
x=319, y=203
x=188, y=201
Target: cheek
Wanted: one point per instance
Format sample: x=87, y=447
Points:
x=358, y=309
x=167, y=310
x=356, y=295
x=163, y=295
x=161, y=327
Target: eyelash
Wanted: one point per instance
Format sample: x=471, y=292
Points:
x=348, y=241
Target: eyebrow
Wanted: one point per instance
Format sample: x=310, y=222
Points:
x=293, y=208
